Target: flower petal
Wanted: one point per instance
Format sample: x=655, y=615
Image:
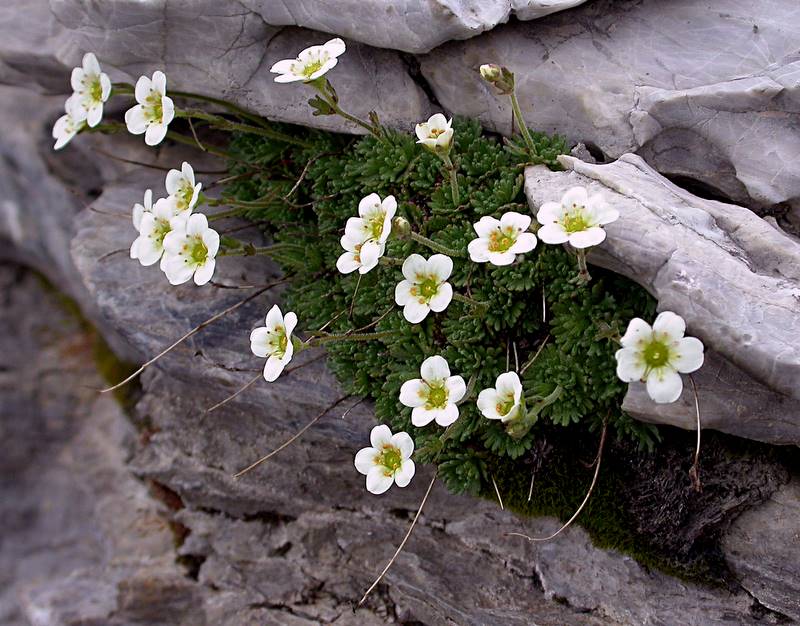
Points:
x=440, y=266
x=689, y=357
x=403, y=476
x=380, y=436
x=515, y=220
x=142, y=89
x=456, y=388
x=258, y=341
x=630, y=365
x=365, y=460
x=415, y=312
x=154, y=134
x=405, y=443
x=509, y=383
x=204, y=273
x=415, y=268
x=369, y=205
x=638, y=332
x=159, y=82
x=448, y=415
x=335, y=47
x=422, y=416
x=553, y=234
x=549, y=212
x=575, y=197
x=402, y=293
x=413, y=393
x=435, y=369
x=442, y=299
x=478, y=250
x=664, y=385
x=670, y=325
x=135, y=120
x=525, y=243
x=487, y=404
x=289, y=324
x=347, y=263
x=377, y=480
x=274, y=318
x=273, y=368
x=587, y=238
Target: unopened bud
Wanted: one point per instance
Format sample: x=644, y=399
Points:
x=490, y=72
x=401, y=228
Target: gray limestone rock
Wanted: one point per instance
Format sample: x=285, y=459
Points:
x=730, y=274
x=226, y=51
x=763, y=550
x=407, y=25
x=706, y=90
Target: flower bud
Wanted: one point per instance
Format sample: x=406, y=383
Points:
x=401, y=227
x=490, y=72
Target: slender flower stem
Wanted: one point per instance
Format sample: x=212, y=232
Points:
x=467, y=300
x=523, y=129
x=452, y=172
x=319, y=341
x=226, y=214
x=331, y=102
x=253, y=251
x=436, y=247
x=233, y=108
x=583, y=270
x=189, y=141
x=217, y=121
x=390, y=260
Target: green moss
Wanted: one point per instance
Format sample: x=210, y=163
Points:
x=534, y=302
x=110, y=367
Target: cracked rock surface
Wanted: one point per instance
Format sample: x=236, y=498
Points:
x=732, y=276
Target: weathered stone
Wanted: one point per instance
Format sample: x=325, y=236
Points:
x=277, y=535
x=625, y=76
x=731, y=275
x=763, y=550
x=403, y=24
x=206, y=48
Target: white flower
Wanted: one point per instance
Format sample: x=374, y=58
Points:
x=505, y=401
x=425, y=287
x=657, y=355
x=359, y=254
x=68, y=125
x=274, y=341
x=310, y=64
x=387, y=461
x=434, y=396
x=436, y=134
x=92, y=88
x=153, y=224
x=500, y=241
x=180, y=185
x=140, y=209
x=154, y=112
x=374, y=219
x=578, y=219
x=189, y=250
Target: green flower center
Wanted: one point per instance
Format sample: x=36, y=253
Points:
x=391, y=459
x=437, y=398
x=95, y=90
x=504, y=406
x=656, y=354
x=313, y=66
x=375, y=224
x=500, y=241
x=575, y=222
x=160, y=231
x=184, y=197
x=198, y=253
x=428, y=288
x=153, y=109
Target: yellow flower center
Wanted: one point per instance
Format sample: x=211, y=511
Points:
x=311, y=67
x=656, y=354
x=500, y=241
x=435, y=132
x=153, y=110
x=390, y=459
x=437, y=398
x=575, y=221
x=428, y=288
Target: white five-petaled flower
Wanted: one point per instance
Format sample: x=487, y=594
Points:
x=274, y=341
x=68, y=125
x=154, y=223
x=425, y=287
x=359, y=254
x=500, y=241
x=577, y=219
x=434, y=396
x=92, y=88
x=181, y=186
x=365, y=236
x=503, y=402
x=659, y=355
x=387, y=461
x=154, y=110
x=310, y=64
x=190, y=249
x=436, y=134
